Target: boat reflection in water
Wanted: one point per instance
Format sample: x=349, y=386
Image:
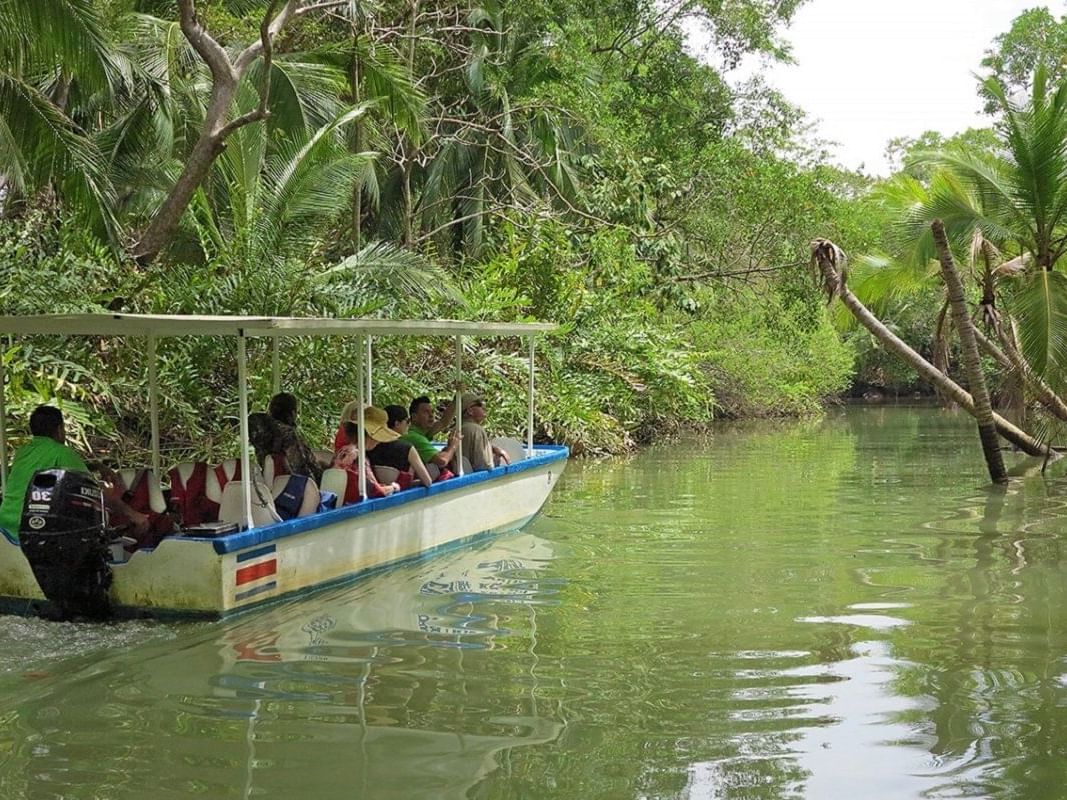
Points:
x=366, y=692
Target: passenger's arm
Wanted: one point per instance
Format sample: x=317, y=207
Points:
x=418, y=469
x=445, y=421
x=444, y=457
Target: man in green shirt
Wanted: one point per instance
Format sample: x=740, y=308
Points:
x=424, y=427
x=47, y=450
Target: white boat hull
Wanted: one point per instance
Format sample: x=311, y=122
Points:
x=216, y=577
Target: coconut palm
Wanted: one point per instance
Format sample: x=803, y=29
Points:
x=502, y=145
x=1022, y=207
x=51, y=50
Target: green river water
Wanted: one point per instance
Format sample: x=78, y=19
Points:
x=839, y=608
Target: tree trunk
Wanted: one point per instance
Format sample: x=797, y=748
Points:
x=226, y=74
x=972, y=361
x=207, y=148
x=1010, y=358
x=823, y=257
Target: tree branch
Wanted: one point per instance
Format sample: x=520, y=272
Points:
x=207, y=48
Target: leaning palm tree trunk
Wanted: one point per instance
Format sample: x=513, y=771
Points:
x=826, y=256
x=1011, y=358
x=972, y=361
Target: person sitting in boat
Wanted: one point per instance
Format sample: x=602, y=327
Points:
x=299, y=457
x=48, y=450
x=424, y=425
x=400, y=455
x=350, y=413
x=378, y=432
x=477, y=448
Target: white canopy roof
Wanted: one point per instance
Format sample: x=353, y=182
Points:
x=191, y=325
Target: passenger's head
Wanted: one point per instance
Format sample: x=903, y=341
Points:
x=422, y=413
x=48, y=421
x=282, y=408
x=263, y=435
x=350, y=412
x=399, y=420
x=473, y=408
x=376, y=422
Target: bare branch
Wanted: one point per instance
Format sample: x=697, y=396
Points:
x=272, y=29
x=208, y=49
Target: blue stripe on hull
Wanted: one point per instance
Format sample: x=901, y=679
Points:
x=260, y=551
x=266, y=587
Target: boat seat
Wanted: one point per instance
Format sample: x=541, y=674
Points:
x=156, y=501
x=310, y=503
x=385, y=474
x=341, y=482
x=515, y=449
x=232, y=507
x=221, y=474
x=274, y=466
x=188, y=495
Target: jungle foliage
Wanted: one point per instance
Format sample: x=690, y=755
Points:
x=560, y=160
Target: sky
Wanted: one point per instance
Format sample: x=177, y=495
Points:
x=872, y=70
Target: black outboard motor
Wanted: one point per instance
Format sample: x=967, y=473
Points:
x=62, y=536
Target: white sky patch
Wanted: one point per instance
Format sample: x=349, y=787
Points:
x=871, y=70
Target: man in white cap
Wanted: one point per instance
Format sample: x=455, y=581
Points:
x=477, y=448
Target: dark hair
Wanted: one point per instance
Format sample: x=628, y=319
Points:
x=45, y=420
x=396, y=414
x=351, y=431
x=418, y=401
x=263, y=435
x=283, y=408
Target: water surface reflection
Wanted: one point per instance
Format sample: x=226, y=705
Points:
x=832, y=608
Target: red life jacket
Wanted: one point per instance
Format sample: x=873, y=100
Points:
x=189, y=499
x=139, y=499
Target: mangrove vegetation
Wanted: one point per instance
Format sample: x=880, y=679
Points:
x=601, y=165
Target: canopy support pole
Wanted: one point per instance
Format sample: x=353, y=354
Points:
x=3, y=425
x=242, y=402
x=361, y=445
x=530, y=404
x=153, y=402
x=457, y=415
x=370, y=368
x=276, y=367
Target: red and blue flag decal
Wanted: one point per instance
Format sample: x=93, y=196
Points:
x=255, y=571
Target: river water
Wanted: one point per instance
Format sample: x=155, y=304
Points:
x=839, y=608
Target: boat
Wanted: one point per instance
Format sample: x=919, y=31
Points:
x=197, y=574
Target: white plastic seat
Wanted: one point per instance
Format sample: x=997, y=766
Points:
x=212, y=488
x=336, y=480
x=156, y=501
x=310, y=504
x=515, y=449
x=385, y=474
x=232, y=507
x=270, y=472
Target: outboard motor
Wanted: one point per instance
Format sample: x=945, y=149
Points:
x=62, y=536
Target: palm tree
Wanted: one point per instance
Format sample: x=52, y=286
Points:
x=49, y=51
x=829, y=262
x=1022, y=207
x=502, y=147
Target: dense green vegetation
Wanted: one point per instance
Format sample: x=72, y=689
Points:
x=558, y=160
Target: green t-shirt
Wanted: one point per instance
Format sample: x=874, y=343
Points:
x=43, y=452
x=418, y=439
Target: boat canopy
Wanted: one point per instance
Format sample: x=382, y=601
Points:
x=156, y=326
x=195, y=325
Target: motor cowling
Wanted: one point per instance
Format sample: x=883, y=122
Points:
x=63, y=537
